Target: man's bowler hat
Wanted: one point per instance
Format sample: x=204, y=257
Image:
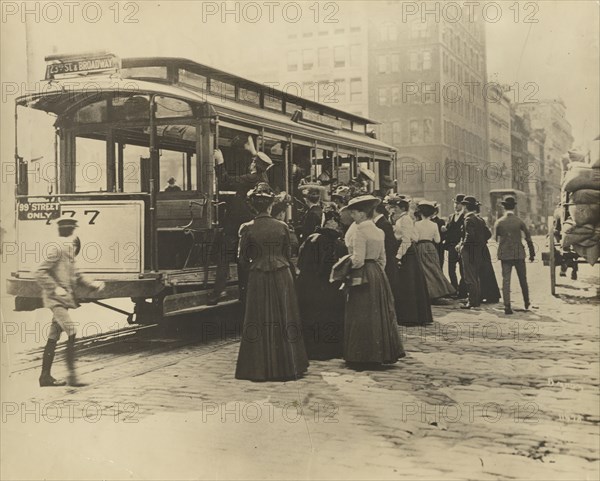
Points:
x=509, y=202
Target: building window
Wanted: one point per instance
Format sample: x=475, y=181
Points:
x=419, y=30
x=355, y=28
x=382, y=64
x=308, y=59
x=323, y=55
x=426, y=60
x=414, y=132
x=355, y=54
x=323, y=33
x=396, y=133
x=388, y=33
x=445, y=62
x=292, y=61
x=338, y=31
x=340, y=89
x=395, y=62
x=382, y=96
x=428, y=131
x=395, y=95
x=355, y=89
x=307, y=34
x=339, y=57
x=420, y=60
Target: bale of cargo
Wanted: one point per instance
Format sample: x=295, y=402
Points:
x=585, y=196
x=583, y=214
x=590, y=253
x=581, y=176
x=573, y=234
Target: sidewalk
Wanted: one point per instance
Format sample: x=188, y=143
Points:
x=480, y=395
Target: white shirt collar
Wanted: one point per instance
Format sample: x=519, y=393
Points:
x=377, y=217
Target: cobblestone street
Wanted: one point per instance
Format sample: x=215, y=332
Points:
x=480, y=395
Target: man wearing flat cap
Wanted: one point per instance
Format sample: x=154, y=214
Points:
x=511, y=253
x=58, y=278
x=454, y=234
x=471, y=250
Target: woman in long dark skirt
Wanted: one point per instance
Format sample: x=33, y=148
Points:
x=272, y=347
x=370, y=332
x=321, y=302
x=490, y=292
x=413, y=306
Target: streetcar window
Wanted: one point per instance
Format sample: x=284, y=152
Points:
x=133, y=157
x=170, y=107
x=134, y=107
x=180, y=166
x=90, y=165
x=192, y=79
x=35, y=143
x=92, y=113
x=145, y=72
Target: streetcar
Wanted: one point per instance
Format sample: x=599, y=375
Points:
x=116, y=133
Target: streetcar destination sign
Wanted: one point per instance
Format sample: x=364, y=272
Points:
x=63, y=68
x=34, y=210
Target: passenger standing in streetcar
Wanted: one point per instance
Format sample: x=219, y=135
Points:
x=272, y=346
x=428, y=239
x=370, y=333
x=238, y=211
x=322, y=302
x=413, y=306
x=58, y=278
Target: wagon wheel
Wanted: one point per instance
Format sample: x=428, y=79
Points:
x=552, y=259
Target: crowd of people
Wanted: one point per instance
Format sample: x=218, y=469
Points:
x=366, y=263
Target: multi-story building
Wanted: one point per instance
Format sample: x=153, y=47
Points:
x=549, y=115
x=535, y=175
x=519, y=139
x=499, y=173
x=425, y=85
x=423, y=80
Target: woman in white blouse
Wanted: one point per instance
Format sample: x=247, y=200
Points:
x=412, y=299
x=370, y=333
x=428, y=238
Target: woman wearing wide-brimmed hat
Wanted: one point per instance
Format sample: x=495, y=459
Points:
x=428, y=238
x=272, y=347
x=370, y=333
x=413, y=306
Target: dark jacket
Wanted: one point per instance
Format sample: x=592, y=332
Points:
x=265, y=244
x=454, y=230
x=312, y=220
x=390, y=241
x=476, y=232
x=509, y=229
x=238, y=210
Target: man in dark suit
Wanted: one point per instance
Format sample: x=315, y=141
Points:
x=454, y=234
x=237, y=213
x=471, y=250
x=442, y=230
x=511, y=253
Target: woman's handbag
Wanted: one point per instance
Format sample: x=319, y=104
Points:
x=342, y=271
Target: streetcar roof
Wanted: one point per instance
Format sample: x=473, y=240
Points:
x=58, y=96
